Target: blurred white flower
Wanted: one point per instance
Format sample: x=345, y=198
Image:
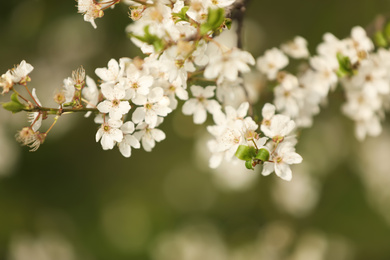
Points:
x=272, y=61
x=47, y=246
x=297, y=48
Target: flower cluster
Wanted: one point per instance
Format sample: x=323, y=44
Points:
x=186, y=60
x=237, y=134
x=362, y=71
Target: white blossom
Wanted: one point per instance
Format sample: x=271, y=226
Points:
x=227, y=65
x=112, y=73
x=35, y=118
x=272, y=61
x=201, y=103
x=136, y=84
x=114, y=105
x=20, y=73
x=173, y=90
x=152, y=106
x=68, y=89
x=109, y=134
x=282, y=158
x=91, y=10
x=289, y=96
x=6, y=82
x=129, y=140
x=297, y=48
x=279, y=126
x=91, y=94
x=148, y=135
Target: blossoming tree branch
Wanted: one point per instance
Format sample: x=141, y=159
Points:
x=186, y=60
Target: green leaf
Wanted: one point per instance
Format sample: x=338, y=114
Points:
x=228, y=23
x=248, y=165
x=386, y=32
x=14, y=98
x=150, y=39
x=380, y=40
x=245, y=153
x=262, y=154
x=14, y=107
x=215, y=18
x=181, y=16
x=345, y=66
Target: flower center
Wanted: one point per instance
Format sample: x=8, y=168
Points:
x=106, y=128
x=179, y=63
x=115, y=102
x=201, y=99
x=148, y=106
x=278, y=159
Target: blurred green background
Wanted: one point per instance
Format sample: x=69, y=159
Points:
x=72, y=200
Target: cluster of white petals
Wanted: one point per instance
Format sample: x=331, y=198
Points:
x=91, y=10
x=186, y=66
x=279, y=129
x=234, y=128
x=191, y=62
x=17, y=75
x=366, y=84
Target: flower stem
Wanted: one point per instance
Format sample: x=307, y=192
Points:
x=59, y=111
x=54, y=122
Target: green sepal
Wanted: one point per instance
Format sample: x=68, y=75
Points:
x=181, y=16
x=380, y=40
x=14, y=105
x=248, y=165
x=215, y=18
x=245, y=153
x=345, y=66
x=262, y=154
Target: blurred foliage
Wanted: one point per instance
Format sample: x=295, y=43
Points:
x=110, y=207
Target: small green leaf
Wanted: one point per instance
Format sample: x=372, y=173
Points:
x=158, y=45
x=150, y=39
x=14, y=107
x=262, y=154
x=245, y=153
x=345, y=66
x=380, y=40
x=248, y=165
x=386, y=32
x=228, y=23
x=204, y=28
x=181, y=16
x=215, y=18
x=14, y=98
